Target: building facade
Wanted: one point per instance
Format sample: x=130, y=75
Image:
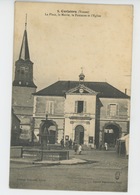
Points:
x=87, y=112
x=23, y=88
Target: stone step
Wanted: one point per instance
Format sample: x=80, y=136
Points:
x=32, y=156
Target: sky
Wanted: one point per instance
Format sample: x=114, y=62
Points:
x=100, y=42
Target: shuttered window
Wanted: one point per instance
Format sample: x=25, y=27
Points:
x=50, y=107
x=80, y=106
x=112, y=110
x=76, y=103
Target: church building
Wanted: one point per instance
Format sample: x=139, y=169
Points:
x=86, y=112
x=23, y=88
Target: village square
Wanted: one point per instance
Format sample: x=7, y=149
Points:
x=69, y=135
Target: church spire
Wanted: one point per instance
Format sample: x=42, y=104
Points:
x=24, y=51
x=24, y=66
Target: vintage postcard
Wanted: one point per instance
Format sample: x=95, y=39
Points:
x=71, y=96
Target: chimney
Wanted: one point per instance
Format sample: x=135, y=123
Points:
x=126, y=91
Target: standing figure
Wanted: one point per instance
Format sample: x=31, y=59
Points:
x=100, y=145
x=75, y=148
x=106, y=146
x=70, y=144
x=80, y=149
x=62, y=143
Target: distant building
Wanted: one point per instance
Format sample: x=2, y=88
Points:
x=15, y=130
x=87, y=112
x=23, y=87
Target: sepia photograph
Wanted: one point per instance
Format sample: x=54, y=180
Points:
x=71, y=96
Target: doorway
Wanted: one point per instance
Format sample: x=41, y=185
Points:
x=111, y=134
x=79, y=134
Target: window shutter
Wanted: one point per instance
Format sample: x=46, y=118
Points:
x=47, y=107
x=85, y=107
x=108, y=109
x=117, y=109
x=76, y=104
x=52, y=107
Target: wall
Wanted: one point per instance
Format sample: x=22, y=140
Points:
x=121, y=119
x=15, y=130
x=89, y=128
x=123, y=108
x=22, y=103
x=40, y=105
x=86, y=119
x=22, y=96
x=90, y=103
x=40, y=111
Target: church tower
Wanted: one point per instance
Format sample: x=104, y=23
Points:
x=23, y=88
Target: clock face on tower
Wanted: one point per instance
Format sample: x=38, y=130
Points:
x=81, y=90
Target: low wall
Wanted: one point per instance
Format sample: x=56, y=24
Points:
x=16, y=151
x=38, y=154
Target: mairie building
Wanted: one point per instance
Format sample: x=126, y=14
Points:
x=85, y=112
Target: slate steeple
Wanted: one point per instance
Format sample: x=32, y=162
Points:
x=24, y=66
x=24, y=51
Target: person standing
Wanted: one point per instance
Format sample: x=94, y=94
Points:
x=70, y=144
x=75, y=148
x=106, y=146
x=62, y=143
x=80, y=149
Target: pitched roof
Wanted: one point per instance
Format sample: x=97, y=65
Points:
x=104, y=89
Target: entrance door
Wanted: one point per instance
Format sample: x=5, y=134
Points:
x=79, y=134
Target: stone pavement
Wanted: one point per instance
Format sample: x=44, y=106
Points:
x=103, y=158
x=99, y=158
x=93, y=170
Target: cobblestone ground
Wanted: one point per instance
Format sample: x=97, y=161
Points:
x=106, y=171
x=103, y=158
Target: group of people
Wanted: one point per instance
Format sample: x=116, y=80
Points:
x=103, y=146
x=77, y=148
x=71, y=145
x=67, y=144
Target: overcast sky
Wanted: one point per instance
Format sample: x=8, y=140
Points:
x=60, y=45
